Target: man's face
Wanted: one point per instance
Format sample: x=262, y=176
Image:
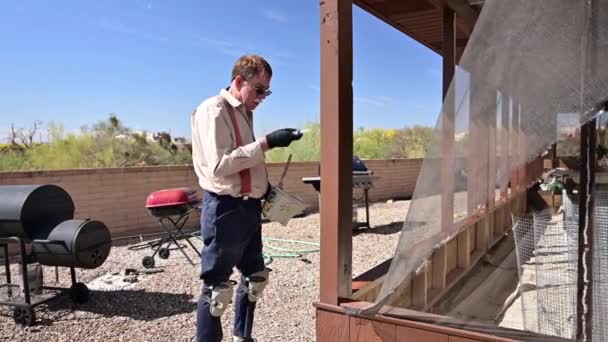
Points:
x=254, y=90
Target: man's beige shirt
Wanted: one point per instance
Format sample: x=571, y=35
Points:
x=217, y=159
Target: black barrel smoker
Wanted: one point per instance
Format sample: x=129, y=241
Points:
x=41, y=217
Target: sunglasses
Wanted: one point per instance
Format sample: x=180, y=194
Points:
x=260, y=90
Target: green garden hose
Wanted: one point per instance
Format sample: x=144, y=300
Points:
x=287, y=252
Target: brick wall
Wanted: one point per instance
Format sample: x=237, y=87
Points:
x=117, y=196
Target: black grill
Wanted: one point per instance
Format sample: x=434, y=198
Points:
x=32, y=211
x=42, y=217
x=362, y=179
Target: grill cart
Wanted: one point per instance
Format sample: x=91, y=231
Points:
x=172, y=207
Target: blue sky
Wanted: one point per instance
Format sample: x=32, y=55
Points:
x=152, y=62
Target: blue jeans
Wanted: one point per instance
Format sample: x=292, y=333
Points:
x=231, y=229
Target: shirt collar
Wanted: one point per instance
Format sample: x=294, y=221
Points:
x=231, y=99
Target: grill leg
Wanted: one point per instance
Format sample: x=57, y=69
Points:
x=73, y=275
x=162, y=239
x=191, y=244
x=175, y=241
x=180, y=232
x=26, y=283
x=366, y=208
x=7, y=266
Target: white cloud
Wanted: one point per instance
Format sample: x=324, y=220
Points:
x=275, y=15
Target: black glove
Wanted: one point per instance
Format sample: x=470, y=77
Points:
x=283, y=137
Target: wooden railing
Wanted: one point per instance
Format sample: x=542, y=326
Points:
x=458, y=253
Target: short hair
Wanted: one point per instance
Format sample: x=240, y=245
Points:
x=248, y=66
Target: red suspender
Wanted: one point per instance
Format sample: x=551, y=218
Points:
x=245, y=174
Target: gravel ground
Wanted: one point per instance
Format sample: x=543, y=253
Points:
x=161, y=306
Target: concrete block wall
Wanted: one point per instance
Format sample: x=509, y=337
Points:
x=116, y=196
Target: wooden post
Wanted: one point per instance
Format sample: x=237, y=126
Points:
x=420, y=289
x=464, y=248
x=522, y=151
x=553, y=156
x=440, y=262
x=504, y=145
x=515, y=147
x=473, y=162
x=493, y=110
x=447, y=120
x=336, y=150
x=480, y=111
x=584, y=303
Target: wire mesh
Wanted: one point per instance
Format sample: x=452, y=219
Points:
x=547, y=273
x=548, y=268
x=524, y=251
x=531, y=75
x=600, y=254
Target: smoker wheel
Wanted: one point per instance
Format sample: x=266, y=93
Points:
x=163, y=253
x=24, y=315
x=79, y=293
x=148, y=262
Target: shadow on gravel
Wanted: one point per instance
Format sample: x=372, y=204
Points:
x=385, y=229
x=133, y=304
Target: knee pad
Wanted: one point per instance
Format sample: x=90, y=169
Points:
x=257, y=283
x=221, y=297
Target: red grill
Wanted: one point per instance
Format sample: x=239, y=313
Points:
x=172, y=207
x=172, y=202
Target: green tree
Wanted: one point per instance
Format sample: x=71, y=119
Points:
x=410, y=142
x=108, y=144
x=373, y=143
x=305, y=149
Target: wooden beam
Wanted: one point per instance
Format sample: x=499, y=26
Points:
x=332, y=326
x=381, y=16
x=461, y=43
x=336, y=150
x=362, y=329
x=401, y=8
x=447, y=121
x=464, y=248
x=420, y=289
x=482, y=106
x=440, y=262
x=515, y=159
x=477, y=158
x=466, y=14
x=504, y=145
x=480, y=241
x=584, y=293
x=522, y=145
x=491, y=114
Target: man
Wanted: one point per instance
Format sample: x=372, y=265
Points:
x=229, y=163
